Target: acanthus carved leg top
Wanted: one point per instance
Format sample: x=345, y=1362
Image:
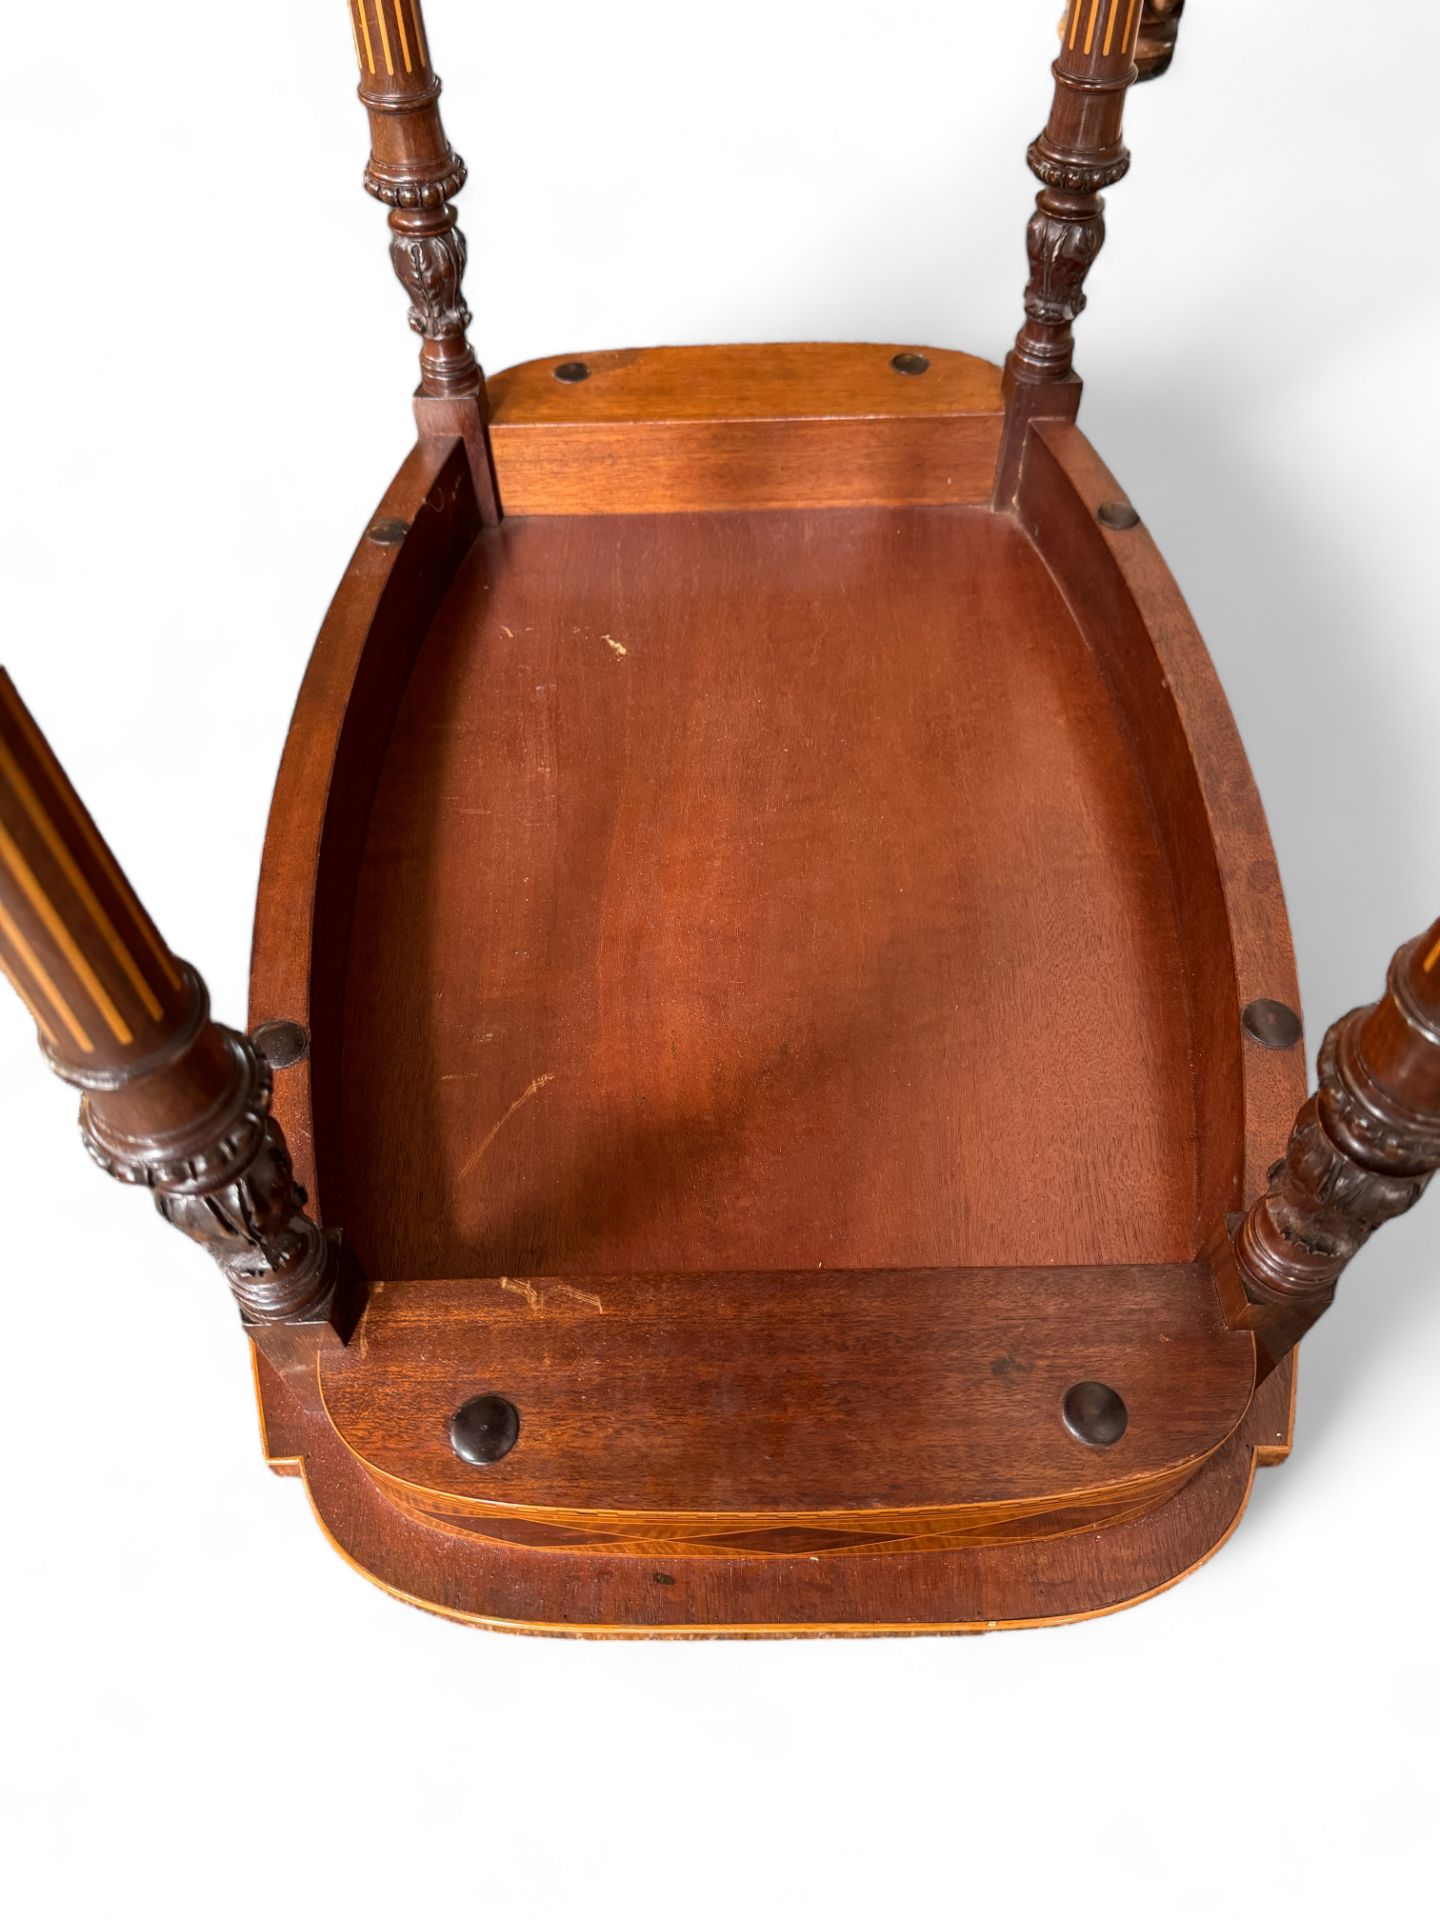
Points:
x=224, y=1179
x=1080, y=153
x=170, y=1100
x=429, y=257
x=1363, y=1150
x=415, y=172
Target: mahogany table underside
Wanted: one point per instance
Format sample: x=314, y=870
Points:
x=774, y=978
x=739, y=889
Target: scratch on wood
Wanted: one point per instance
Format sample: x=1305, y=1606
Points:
x=614, y=645
x=586, y=1299
x=537, y=1298
x=514, y=1107
x=361, y=1334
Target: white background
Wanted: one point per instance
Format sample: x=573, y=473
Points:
x=206, y=374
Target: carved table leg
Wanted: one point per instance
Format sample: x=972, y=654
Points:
x=1080, y=153
x=1363, y=1150
x=415, y=172
x=171, y=1101
x=1158, y=33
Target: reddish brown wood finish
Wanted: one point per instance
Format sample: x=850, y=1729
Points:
x=1363, y=1151
x=172, y=1102
x=740, y=890
x=1079, y=154
x=789, y=963
x=416, y=173
x=103, y=988
x=715, y=888
x=815, y=1412
x=954, y=1590
x=338, y=738
x=1229, y=907
x=1159, y=30
x=706, y=429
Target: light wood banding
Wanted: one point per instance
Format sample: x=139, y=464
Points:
x=77, y=941
x=816, y=1412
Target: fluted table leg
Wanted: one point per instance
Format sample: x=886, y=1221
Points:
x=170, y=1100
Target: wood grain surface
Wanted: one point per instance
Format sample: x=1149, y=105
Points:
x=789, y=380
x=338, y=737
x=763, y=891
x=693, y=429
x=1228, y=900
x=847, y=1407
x=713, y=894
x=172, y=1102
x=756, y=1595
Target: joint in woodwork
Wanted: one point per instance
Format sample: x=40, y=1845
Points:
x=465, y=416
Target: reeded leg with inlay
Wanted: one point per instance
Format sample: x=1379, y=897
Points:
x=171, y=1100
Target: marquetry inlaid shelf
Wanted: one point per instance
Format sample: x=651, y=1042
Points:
x=773, y=1034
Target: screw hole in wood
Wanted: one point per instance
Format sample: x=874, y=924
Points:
x=912, y=363
x=388, y=533
x=572, y=372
